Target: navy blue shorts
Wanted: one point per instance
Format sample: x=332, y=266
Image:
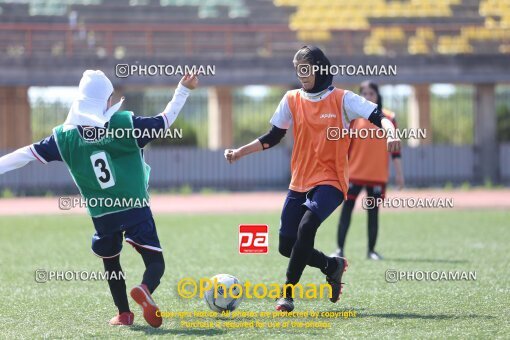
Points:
x=141, y=235
x=322, y=200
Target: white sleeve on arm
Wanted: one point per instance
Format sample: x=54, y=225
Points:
x=356, y=107
x=282, y=118
x=174, y=106
x=16, y=159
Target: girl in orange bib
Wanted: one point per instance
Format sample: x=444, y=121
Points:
x=319, y=114
x=369, y=169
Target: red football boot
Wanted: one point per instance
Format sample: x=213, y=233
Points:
x=142, y=297
x=122, y=319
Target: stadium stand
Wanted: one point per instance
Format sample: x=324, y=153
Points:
x=434, y=24
x=370, y=27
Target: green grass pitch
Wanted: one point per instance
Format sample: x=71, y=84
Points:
x=205, y=245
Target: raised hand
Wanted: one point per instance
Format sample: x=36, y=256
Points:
x=190, y=81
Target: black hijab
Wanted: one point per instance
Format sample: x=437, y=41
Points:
x=315, y=56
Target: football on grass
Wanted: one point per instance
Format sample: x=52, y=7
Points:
x=225, y=293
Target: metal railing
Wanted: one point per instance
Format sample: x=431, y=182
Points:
x=150, y=40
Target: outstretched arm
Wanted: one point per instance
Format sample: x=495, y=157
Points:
x=232, y=155
x=281, y=121
x=270, y=139
x=168, y=116
x=16, y=159
x=44, y=151
x=172, y=109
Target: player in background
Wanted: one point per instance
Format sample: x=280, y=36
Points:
x=369, y=169
x=109, y=168
x=319, y=164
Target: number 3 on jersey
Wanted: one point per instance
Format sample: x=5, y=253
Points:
x=102, y=170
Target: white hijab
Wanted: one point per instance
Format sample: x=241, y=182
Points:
x=89, y=106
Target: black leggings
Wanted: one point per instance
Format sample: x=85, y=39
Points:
x=154, y=269
x=345, y=217
x=301, y=250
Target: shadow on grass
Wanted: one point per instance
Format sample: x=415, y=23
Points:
x=426, y=316
x=426, y=260
x=177, y=331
